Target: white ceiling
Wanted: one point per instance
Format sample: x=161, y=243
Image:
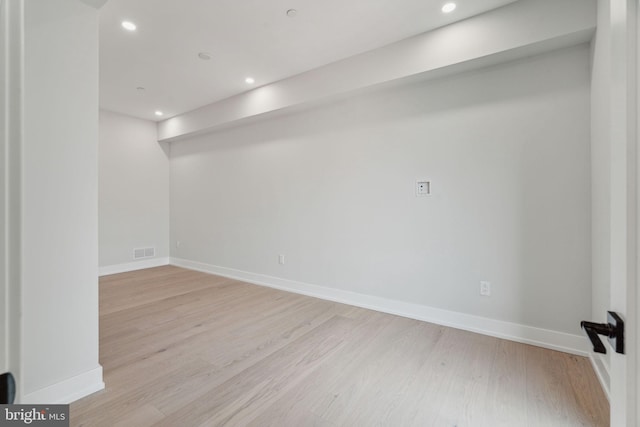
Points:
x=245, y=38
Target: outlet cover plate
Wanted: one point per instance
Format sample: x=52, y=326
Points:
x=423, y=187
x=485, y=289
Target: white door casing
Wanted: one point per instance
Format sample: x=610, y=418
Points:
x=11, y=51
x=624, y=210
x=4, y=347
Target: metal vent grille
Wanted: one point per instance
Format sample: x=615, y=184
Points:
x=144, y=253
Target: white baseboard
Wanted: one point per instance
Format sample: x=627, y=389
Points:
x=132, y=266
x=67, y=391
x=601, y=367
x=561, y=341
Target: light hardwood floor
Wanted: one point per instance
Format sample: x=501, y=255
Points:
x=183, y=349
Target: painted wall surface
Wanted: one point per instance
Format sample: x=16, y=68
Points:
x=506, y=149
x=59, y=199
x=133, y=189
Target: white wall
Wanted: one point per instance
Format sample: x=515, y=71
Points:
x=507, y=150
x=134, y=192
x=59, y=237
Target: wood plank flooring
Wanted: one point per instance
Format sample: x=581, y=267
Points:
x=187, y=349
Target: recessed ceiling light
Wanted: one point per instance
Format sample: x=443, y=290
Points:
x=292, y=13
x=448, y=7
x=205, y=56
x=128, y=25
x=159, y=113
x=250, y=80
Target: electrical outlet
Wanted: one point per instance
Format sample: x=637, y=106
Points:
x=281, y=259
x=423, y=188
x=485, y=289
